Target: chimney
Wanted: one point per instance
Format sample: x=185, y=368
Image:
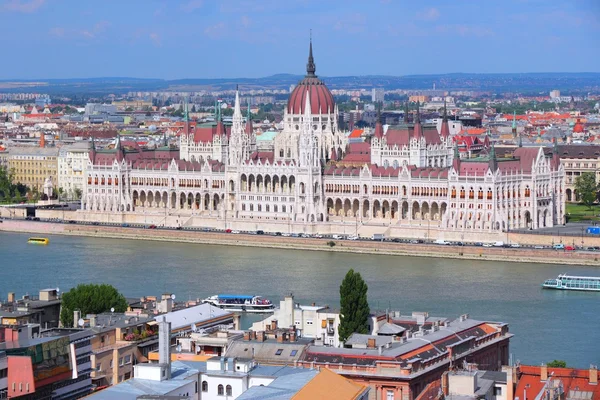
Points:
x=236, y=322
x=280, y=338
x=164, y=346
x=273, y=324
x=76, y=318
x=92, y=320
x=445, y=388
x=510, y=393
x=371, y=343
x=593, y=375
x=42, y=140
x=11, y=297
x=293, y=335
x=260, y=336
x=247, y=336
x=544, y=373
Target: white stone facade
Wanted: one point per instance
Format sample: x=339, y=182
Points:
x=411, y=178
x=72, y=165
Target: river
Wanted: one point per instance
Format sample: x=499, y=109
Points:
x=547, y=324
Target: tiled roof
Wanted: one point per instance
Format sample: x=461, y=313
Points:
x=328, y=384
x=573, y=381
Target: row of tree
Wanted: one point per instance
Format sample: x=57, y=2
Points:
x=9, y=190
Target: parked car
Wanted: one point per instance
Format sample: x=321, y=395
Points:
x=179, y=228
x=353, y=237
x=285, y=234
x=539, y=246
x=152, y=226
x=235, y=232
x=277, y=233
x=295, y=235
x=125, y=225
x=558, y=246
x=227, y=230
x=95, y=223
x=260, y=232
x=336, y=237
x=487, y=245
x=516, y=245
x=306, y=235
x=569, y=248
x=317, y=236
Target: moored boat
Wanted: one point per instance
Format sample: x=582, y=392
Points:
x=241, y=303
x=570, y=282
x=38, y=240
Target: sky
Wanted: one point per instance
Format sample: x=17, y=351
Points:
x=176, y=39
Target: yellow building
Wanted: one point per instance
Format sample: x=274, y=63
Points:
x=32, y=165
x=419, y=98
x=134, y=104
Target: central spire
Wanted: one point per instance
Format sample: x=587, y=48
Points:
x=310, y=66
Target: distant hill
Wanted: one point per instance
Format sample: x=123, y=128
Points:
x=497, y=83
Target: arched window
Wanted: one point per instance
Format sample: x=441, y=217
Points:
x=281, y=153
x=228, y=391
x=204, y=386
x=220, y=390
x=395, y=164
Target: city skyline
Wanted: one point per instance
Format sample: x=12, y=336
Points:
x=147, y=40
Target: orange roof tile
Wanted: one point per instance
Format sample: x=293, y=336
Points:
x=356, y=133
x=329, y=385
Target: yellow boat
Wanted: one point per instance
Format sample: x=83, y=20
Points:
x=38, y=240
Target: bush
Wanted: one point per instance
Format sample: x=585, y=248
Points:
x=331, y=243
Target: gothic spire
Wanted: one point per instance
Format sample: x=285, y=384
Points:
x=445, y=118
x=406, y=112
x=493, y=162
x=249, y=128
x=310, y=66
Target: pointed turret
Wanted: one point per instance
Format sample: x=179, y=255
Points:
x=311, y=68
x=406, y=112
x=249, y=127
x=378, y=125
x=220, y=125
x=418, y=129
x=237, y=109
x=514, y=124
x=445, y=130
x=520, y=141
x=456, y=158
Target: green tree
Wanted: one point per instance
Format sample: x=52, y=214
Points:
x=557, y=364
x=90, y=299
x=587, y=188
x=77, y=192
x=354, y=311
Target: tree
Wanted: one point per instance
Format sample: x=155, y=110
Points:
x=90, y=299
x=354, y=312
x=77, y=192
x=557, y=364
x=587, y=188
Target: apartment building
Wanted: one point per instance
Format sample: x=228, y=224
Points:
x=31, y=166
x=72, y=163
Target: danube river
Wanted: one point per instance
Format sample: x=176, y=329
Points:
x=547, y=324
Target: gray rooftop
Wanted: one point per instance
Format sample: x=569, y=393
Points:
x=135, y=387
x=288, y=382
x=193, y=315
x=359, y=339
x=268, y=350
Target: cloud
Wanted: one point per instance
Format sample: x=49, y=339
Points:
x=155, y=38
x=87, y=34
x=245, y=21
x=354, y=23
x=429, y=14
x=101, y=26
x=215, y=31
x=192, y=5
x=464, y=30
x=57, y=32
x=23, y=6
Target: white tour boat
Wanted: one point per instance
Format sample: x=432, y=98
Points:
x=241, y=303
x=570, y=282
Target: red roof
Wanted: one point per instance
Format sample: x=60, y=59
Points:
x=206, y=134
x=572, y=380
x=321, y=99
x=402, y=136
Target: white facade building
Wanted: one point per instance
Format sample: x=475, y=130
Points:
x=411, y=175
x=72, y=165
x=315, y=322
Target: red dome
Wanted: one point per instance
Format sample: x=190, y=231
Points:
x=321, y=99
x=578, y=128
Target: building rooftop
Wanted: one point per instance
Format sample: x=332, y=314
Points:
x=289, y=381
x=132, y=388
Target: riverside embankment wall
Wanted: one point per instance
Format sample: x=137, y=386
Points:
x=278, y=242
